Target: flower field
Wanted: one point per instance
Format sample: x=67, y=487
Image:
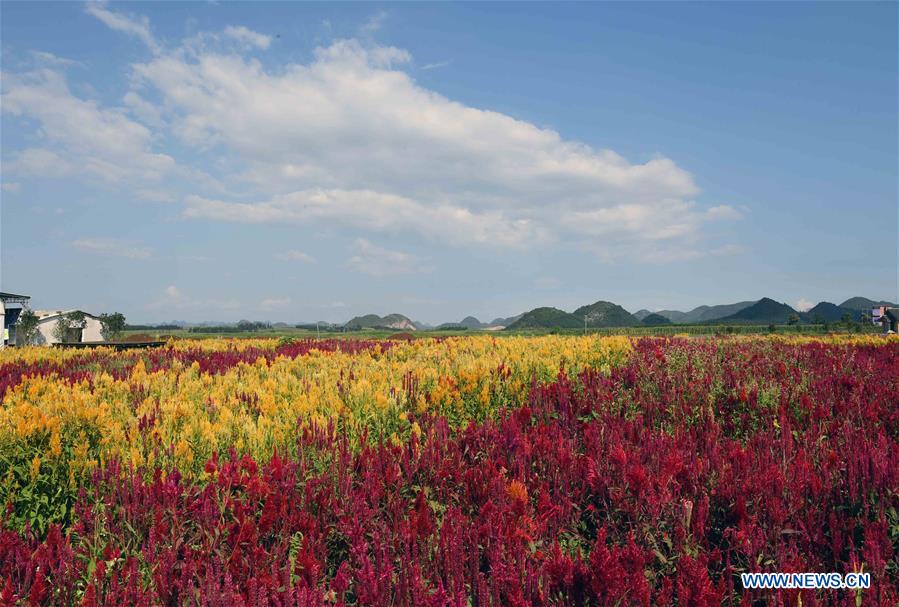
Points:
x=461, y=471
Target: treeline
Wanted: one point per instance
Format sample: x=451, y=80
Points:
x=243, y=326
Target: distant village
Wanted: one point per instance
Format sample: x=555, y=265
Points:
x=23, y=326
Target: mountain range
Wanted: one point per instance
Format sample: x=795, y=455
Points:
x=608, y=314
x=864, y=304
x=699, y=314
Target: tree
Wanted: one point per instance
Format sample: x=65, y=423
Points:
x=794, y=319
x=26, y=327
x=61, y=329
x=112, y=325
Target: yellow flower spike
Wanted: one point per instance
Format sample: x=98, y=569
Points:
x=35, y=468
x=55, y=444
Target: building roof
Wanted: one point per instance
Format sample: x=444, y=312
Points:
x=14, y=298
x=45, y=314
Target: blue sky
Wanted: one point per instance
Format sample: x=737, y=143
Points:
x=285, y=161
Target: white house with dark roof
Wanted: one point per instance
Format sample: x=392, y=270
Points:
x=47, y=320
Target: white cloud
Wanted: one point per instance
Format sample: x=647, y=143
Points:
x=373, y=23
x=804, y=305
x=137, y=26
x=49, y=59
x=294, y=255
x=434, y=66
x=377, y=261
x=657, y=252
x=143, y=110
x=112, y=247
x=173, y=299
x=370, y=148
x=723, y=212
x=374, y=211
x=248, y=37
x=85, y=138
x=349, y=138
x=39, y=162
x=271, y=303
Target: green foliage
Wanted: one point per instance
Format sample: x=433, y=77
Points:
x=35, y=492
x=61, y=329
x=548, y=318
x=606, y=314
x=765, y=310
x=828, y=312
x=26, y=327
x=655, y=319
x=112, y=325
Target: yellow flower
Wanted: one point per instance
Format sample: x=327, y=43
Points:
x=55, y=444
x=258, y=407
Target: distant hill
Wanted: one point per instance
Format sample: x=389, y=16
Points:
x=674, y=315
x=391, y=321
x=606, y=314
x=705, y=313
x=547, y=318
x=470, y=322
x=829, y=312
x=654, y=320
x=599, y=314
x=864, y=304
x=765, y=310
x=641, y=314
x=504, y=322
x=319, y=326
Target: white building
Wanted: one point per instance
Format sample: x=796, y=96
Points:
x=47, y=320
x=11, y=305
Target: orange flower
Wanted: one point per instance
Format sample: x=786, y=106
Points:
x=517, y=491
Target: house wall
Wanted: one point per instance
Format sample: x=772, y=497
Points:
x=45, y=331
x=92, y=330
x=45, y=328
